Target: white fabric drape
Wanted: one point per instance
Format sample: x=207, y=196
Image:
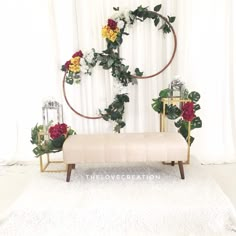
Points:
x=39, y=36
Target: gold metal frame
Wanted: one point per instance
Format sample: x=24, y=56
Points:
x=44, y=168
x=163, y=127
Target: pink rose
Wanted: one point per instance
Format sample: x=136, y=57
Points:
x=78, y=54
x=112, y=24
x=188, y=111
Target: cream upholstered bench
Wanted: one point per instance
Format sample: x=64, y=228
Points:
x=125, y=147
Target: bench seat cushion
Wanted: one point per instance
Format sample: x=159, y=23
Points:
x=125, y=147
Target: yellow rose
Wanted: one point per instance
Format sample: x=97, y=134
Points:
x=105, y=31
x=110, y=34
x=117, y=30
x=74, y=68
x=113, y=37
x=75, y=60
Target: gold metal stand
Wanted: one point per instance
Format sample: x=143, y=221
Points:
x=44, y=167
x=163, y=127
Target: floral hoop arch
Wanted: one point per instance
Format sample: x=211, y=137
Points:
x=173, y=53
x=72, y=108
x=110, y=59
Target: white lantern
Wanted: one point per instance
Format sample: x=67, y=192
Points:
x=52, y=111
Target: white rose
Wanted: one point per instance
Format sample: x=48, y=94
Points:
x=89, y=57
x=84, y=69
x=127, y=16
x=83, y=62
x=120, y=24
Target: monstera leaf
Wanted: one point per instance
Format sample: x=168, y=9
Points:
x=58, y=142
x=179, y=123
x=157, y=105
x=165, y=93
x=184, y=132
x=194, y=96
x=172, y=112
x=196, y=123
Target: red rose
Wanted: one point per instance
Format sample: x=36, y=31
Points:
x=63, y=128
x=188, y=111
x=112, y=24
x=53, y=132
x=67, y=65
x=78, y=54
x=57, y=130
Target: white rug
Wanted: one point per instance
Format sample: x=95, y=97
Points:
x=119, y=200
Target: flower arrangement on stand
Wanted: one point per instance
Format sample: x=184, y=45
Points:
x=185, y=113
x=49, y=139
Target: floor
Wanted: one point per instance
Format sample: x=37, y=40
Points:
x=225, y=176
x=14, y=179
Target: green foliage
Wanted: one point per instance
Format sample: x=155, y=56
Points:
x=171, y=19
x=45, y=145
x=173, y=112
x=165, y=93
x=34, y=133
x=156, y=21
x=142, y=13
x=115, y=111
x=194, y=96
x=157, y=8
x=138, y=72
x=196, y=123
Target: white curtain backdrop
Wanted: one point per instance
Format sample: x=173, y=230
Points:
x=39, y=36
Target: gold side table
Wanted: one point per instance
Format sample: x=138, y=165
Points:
x=45, y=167
x=163, y=126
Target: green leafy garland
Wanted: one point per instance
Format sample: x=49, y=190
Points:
x=173, y=112
x=109, y=59
x=116, y=110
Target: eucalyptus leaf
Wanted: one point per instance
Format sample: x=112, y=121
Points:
x=138, y=72
x=171, y=19
x=117, y=128
x=115, y=115
x=157, y=8
x=156, y=21
x=110, y=62
x=121, y=124
x=166, y=29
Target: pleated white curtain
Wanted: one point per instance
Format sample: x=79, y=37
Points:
x=39, y=36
